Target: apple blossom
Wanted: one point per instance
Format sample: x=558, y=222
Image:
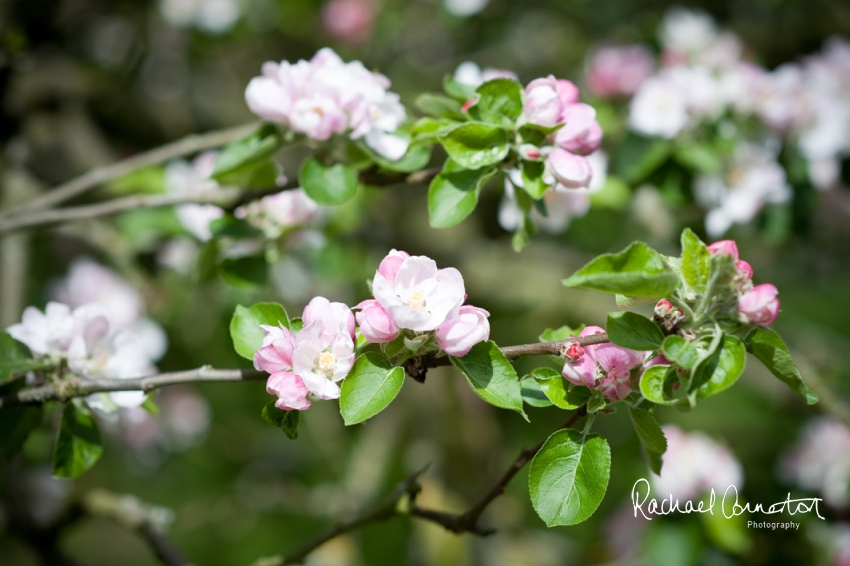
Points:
x=326, y=96
x=728, y=247
x=570, y=170
x=416, y=294
x=458, y=335
x=658, y=109
x=350, y=21
x=274, y=214
x=470, y=74
x=182, y=177
x=290, y=391
x=376, y=324
x=618, y=70
x=275, y=355
x=820, y=461
x=52, y=332
x=581, y=132
x=759, y=306
x=543, y=104
x=610, y=363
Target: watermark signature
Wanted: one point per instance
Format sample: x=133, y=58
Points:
x=729, y=506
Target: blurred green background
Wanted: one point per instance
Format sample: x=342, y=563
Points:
x=86, y=82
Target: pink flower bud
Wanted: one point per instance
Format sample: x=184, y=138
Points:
x=728, y=247
x=336, y=318
x=390, y=264
x=275, y=355
x=663, y=308
x=572, y=171
x=457, y=336
x=543, y=104
x=290, y=391
x=567, y=92
x=619, y=70
x=350, y=21
x=375, y=322
x=759, y=306
x=658, y=360
x=467, y=105
x=745, y=268
x=574, y=352
x=529, y=152
x=615, y=387
x=581, y=132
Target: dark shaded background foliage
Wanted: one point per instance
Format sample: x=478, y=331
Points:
x=86, y=82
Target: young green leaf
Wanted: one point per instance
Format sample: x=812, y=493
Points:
x=499, y=102
x=533, y=394
x=491, y=376
x=287, y=421
x=562, y=333
x=370, y=386
x=631, y=330
x=415, y=158
x=638, y=157
x=15, y=357
x=732, y=359
x=474, y=145
x=328, y=185
x=569, y=476
x=637, y=271
x=651, y=437
x=532, y=179
x=453, y=193
x=656, y=384
x=536, y=134
x=680, y=351
x=769, y=349
x=696, y=261
x=245, y=328
x=17, y=423
x=248, y=153
x=439, y=106
x=558, y=390
x=78, y=445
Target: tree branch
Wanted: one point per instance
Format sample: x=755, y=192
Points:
x=77, y=387
x=186, y=146
x=80, y=387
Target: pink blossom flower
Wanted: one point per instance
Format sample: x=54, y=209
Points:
x=745, y=268
x=543, y=105
x=318, y=117
x=417, y=295
x=615, y=387
x=389, y=265
x=458, y=335
x=273, y=214
x=567, y=92
x=290, y=391
x=619, y=70
x=335, y=318
x=375, y=322
x=350, y=21
x=759, y=306
x=275, y=355
x=570, y=170
x=581, y=132
x=323, y=357
x=610, y=363
x=580, y=362
x=728, y=247
x=52, y=332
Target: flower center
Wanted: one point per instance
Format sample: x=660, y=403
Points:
x=326, y=363
x=416, y=300
x=319, y=111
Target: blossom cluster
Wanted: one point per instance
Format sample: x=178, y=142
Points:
x=758, y=305
x=325, y=96
x=706, y=81
x=412, y=296
x=603, y=367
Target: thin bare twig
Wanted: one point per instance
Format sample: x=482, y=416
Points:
x=100, y=175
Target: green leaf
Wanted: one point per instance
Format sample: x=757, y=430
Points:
x=245, y=328
x=429, y=129
x=769, y=349
x=536, y=134
x=78, y=445
x=229, y=227
x=491, y=376
x=248, y=271
x=415, y=158
x=633, y=331
x=562, y=333
x=150, y=405
x=453, y=193
x=458, y=91
x=680, y=351
x=15, y=357
x=696, y=261
x=499, y=102
x=532, y=179
x=656, y=383
x=651, y=437
x=533, y=394
x=562, y=394
x=440, y=106
x=248, y=153
x=327, y=185
x=370, y=386
x=637, y=271
x=474, y=145
x=17, y=423
x=698, y=157
x=569, y=476
x=730, y=366
x=287, y=421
